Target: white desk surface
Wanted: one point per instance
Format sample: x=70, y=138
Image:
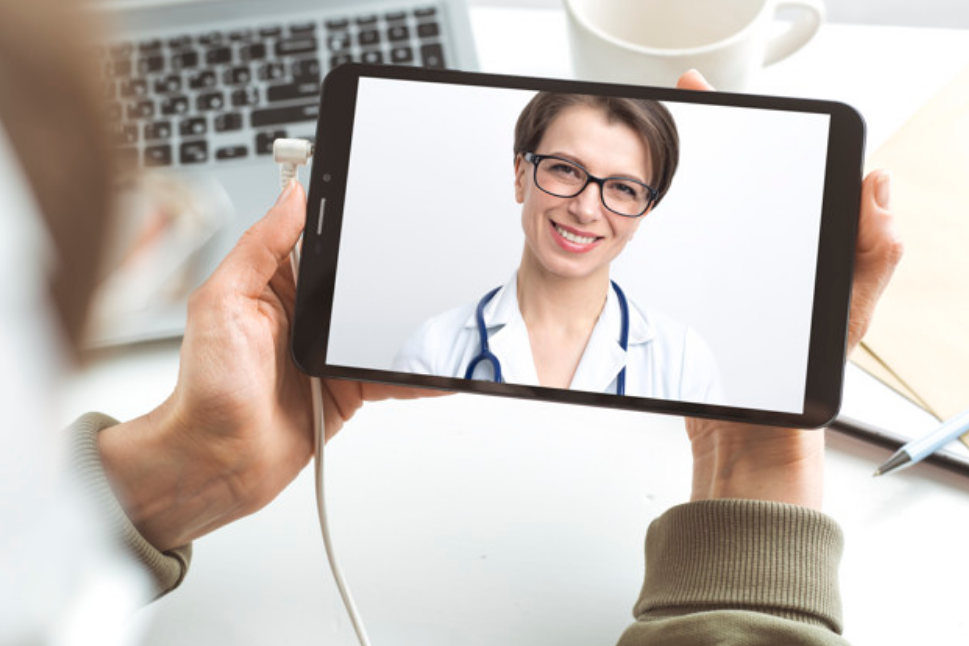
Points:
x=476, y=520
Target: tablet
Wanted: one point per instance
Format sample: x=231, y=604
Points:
x=643, y=248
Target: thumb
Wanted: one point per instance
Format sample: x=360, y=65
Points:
x=266, y=244
x=878, y=252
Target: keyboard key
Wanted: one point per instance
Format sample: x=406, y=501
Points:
x=432, y=56
x=168, y=84
x=271, y=71
x=121, y=50
x=245, y=96
x=291, y=91
x=368, y=37
x=367, y=21
x=428, y=30
x=425, y=12
x=193, y=126
x=232, y=152
x=289, y=114
x=119, y=67
x=158, y=155
x=210, y=101
x=338, y=42
x=241, y=35
x=295, y=46
x=228, y=122
x=180, y=42
x=237, y=76
x=340, y=23
x=202, y=80
x=395, y=15
x=133, y=88
x=253, y=52
x=151, y=65
x=302, y=29
x=185, y=60
x=193, y=152
x=271, y=32
x=398, y=32
x=373, y=57
x=141, y=110
x=149, y=46
x=305, y=70
x=174, y=105
x=218, y=56
x=125, y=133
x=340, y=59
x=158, y=130
x=402, y=55
x=211, y=39
x=264, y=141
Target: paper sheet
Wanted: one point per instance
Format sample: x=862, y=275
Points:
x=919, y=340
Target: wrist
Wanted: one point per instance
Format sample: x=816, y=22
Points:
x=757, y=463
x=170, y=487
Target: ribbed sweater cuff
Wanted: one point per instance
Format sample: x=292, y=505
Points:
x=767, y=557
x=168, y=569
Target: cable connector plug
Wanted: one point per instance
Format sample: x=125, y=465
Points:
x=290, y=154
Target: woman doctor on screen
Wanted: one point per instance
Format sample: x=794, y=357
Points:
x=587, y=171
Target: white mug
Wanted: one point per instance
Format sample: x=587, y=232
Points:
x=652, y=42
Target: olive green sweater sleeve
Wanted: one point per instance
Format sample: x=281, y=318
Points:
x=167, y=569
x=739, y=572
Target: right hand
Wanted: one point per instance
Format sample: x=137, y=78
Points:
x=735, y=460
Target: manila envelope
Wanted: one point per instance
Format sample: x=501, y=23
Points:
x=919, y=340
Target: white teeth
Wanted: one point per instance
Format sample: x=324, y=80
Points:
x=571, y=237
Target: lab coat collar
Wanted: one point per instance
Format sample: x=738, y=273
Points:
x=604, y=358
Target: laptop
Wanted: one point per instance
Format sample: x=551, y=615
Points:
x=197, y=91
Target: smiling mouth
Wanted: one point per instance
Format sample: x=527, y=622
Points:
x=574, y=237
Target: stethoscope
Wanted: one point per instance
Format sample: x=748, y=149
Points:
x=485, y=354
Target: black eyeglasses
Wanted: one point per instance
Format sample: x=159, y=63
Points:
x=563, y=178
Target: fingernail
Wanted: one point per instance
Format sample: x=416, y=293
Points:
x=883, y=189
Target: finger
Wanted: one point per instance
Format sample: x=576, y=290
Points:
x=266, y=245
x=693, y=80
x=877, y=253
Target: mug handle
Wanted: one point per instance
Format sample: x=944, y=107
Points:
x=807, y=24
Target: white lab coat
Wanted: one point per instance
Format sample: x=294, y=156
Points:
x=664, y=360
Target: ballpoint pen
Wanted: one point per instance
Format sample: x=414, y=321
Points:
x=917, y=450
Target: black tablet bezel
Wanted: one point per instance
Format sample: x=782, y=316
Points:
x=834, y=267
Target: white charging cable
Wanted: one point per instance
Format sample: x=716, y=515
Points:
x=290, y=154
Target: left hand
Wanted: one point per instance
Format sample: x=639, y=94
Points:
x=734, y=460
x=238, y=428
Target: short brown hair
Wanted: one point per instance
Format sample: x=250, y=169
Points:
x=649, y=118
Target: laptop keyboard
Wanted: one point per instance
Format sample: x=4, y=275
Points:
x=190, y=99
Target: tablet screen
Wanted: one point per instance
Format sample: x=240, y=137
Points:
x=459, y=249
